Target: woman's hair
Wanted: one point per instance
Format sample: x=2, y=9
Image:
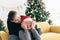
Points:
x=11, y=15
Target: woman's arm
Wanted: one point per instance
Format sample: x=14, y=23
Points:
x=35, y=34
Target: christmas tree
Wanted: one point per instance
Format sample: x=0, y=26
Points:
x=36, y=10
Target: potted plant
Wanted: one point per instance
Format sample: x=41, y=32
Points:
x=2, y=28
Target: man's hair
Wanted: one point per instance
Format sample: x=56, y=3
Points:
x=11, y=15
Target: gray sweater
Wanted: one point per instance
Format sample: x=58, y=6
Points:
x=25, y=35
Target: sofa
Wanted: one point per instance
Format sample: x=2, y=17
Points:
x=49, y=32
x=4, y=34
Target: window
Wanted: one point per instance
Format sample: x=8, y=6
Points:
x=54, y=8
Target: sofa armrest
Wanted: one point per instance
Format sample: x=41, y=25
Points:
x=3, y=35
x=44, y=26
x=55, y=29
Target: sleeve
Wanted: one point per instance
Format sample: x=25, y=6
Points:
x=24, y=35
x=36, y=34
x=38, y=30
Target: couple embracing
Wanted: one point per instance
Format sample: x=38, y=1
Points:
x=21, y=28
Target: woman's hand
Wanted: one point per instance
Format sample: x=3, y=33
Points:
x=32, y=25
x=23, y=25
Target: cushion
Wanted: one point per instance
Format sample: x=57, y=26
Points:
x=0, y=38
x=55, y=29
x=50, y=36
x=44, y=26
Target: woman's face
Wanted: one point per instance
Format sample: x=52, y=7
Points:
x=29, y=24
x=17, y=18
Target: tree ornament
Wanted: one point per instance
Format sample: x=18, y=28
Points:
x=18, y=7
x=40, y=12
x=31, y=11
x=36, y=4
x=41, y=15
x=41, y=7
x=36, y=10
x=31, y=0
x=32, y=3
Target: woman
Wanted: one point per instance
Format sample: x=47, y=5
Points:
x=29, y=32
x=13, y=23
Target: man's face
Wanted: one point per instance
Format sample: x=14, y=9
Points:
x=17, y=18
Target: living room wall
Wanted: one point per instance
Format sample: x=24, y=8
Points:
x=19, y=5
x=7, y=5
